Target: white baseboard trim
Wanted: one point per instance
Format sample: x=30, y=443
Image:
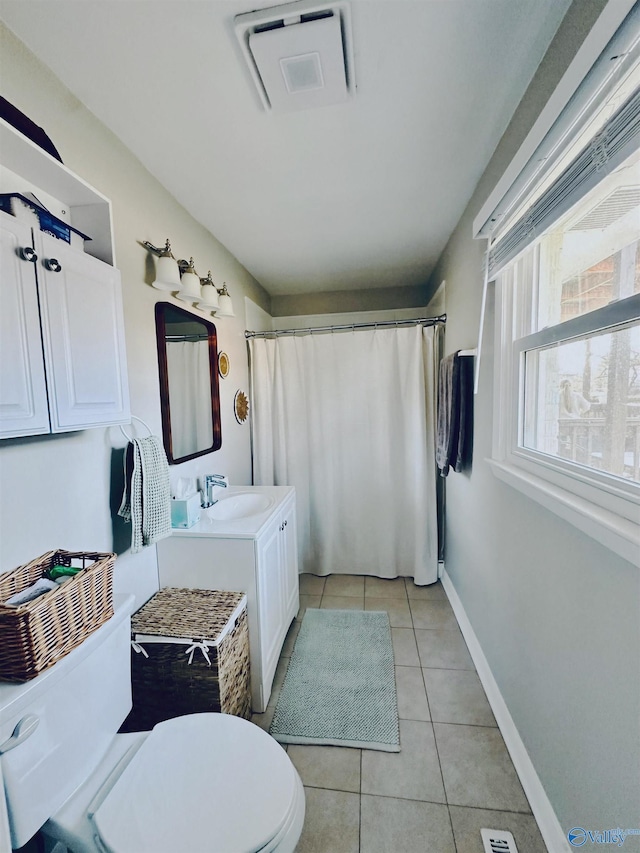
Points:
x=550, y=828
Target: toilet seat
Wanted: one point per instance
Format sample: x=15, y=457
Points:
x=201, y=782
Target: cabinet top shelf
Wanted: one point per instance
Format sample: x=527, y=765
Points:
x=24, y=166
x=24, y=157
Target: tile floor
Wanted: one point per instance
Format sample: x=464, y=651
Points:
x=453, y=774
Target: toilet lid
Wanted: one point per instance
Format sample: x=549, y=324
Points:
x=200, y=782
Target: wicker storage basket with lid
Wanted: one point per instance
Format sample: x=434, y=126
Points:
x=35, y=635
x=190, y=654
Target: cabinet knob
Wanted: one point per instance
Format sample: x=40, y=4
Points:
x=53, y=264
x=28, y=254
x=285, y=523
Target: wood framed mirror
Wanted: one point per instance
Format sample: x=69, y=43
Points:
x=188, y=374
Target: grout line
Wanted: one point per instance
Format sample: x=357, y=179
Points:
x=426, y=693
x=414, y=800
x=469, y=725
x=453, y=834
x=493, y=809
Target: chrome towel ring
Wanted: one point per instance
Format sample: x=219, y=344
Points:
x=134, y=418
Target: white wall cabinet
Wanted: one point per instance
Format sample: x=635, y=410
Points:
x=62, y=348
x=63, y=363
x=264, y=566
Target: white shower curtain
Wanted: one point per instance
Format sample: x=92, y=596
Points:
x=348, y=418
x=189, y=377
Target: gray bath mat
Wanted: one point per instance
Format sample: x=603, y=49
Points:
x=340, y=685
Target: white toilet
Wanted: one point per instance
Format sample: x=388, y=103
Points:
x=203, y=783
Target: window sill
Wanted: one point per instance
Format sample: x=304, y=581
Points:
x=619, y=534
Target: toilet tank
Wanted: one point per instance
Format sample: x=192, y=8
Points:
x=80, y=703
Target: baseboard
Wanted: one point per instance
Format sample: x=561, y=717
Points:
x=550, y=828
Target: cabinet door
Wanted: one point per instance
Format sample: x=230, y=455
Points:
x=83, y=333
x=23, y=390
x=270, y=602
x=289, y=557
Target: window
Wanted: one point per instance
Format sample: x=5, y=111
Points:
x=568, y=383
x=564, y=229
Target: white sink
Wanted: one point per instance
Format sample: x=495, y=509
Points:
x=243, y=505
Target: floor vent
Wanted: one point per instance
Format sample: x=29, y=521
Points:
x=498, y=841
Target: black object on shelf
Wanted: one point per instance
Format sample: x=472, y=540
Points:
x=28, y=128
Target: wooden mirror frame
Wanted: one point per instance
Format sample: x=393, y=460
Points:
x=163, y=375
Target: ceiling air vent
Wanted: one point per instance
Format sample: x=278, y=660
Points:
x=498, y=841
x=300, y=55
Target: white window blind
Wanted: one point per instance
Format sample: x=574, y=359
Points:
x=598, y=129
x=619, y=138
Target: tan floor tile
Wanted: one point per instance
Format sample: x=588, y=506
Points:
x=385, y=588
x=432, y=614
x=311, y=584
x=278, y=679
x=457, y=696
x=264, y=720
x=431, y=592
x=412, y=697
x=443, y=648
x=344, y=585
x=403, y=826
x=290, y=639
x=342, y=602
x=405, y=651
x=334, y=767
x=477, y=768
x=307, y=601
x=467, y=824
x=332, y=822
x=411, y=774
x=397, y=608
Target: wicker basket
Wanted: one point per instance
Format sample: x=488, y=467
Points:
x=35, y=635
x=170, y=673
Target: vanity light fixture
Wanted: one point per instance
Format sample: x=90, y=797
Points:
x=226, y=306
x=209, y=299
x=190, y=283
x=167, y=270
x=181, y=278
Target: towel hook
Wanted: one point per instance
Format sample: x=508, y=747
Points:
x=134, y=418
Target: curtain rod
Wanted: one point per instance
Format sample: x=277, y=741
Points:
x=424, y=321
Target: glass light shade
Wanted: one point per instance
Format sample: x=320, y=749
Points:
x=190, y=289
x=225, y=308
x=167, y=273
x=209, y=297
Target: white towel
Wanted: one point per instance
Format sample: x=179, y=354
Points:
x=146, y=497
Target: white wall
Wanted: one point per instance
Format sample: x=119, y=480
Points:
x=62, y=491
x=557, y=615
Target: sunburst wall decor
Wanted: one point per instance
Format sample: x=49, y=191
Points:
x=241, y=406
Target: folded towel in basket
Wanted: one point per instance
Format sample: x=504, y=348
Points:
x=146, y=500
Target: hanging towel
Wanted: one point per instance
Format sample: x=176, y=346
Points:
x=455, y=414
x=146, y=500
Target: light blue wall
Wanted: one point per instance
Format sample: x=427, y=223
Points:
x=557, y=615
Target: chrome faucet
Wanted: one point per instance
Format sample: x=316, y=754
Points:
x=211, y=480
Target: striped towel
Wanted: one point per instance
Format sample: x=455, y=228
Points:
x=146, y=500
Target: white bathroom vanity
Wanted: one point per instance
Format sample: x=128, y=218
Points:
x=246, y=542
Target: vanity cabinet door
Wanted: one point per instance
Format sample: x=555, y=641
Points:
x=270, y=602
x=83, y=334
x=289, y=557
x=23, y=389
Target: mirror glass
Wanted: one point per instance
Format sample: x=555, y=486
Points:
x=189, y=394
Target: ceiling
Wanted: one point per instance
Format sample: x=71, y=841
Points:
x=362, y=194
